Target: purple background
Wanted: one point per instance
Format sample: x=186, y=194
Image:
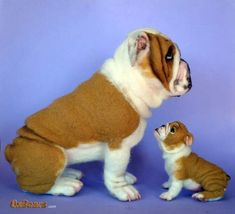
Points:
x=49, y=47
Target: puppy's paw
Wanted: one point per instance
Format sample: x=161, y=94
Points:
x=65, y=186
x=166, y=185
x=72, y=173
x=130, y=179
x=198, y=196
x=166, y=196
x=126, y=193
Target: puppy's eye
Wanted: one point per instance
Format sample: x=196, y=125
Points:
x=169, y=55
x=173, y=130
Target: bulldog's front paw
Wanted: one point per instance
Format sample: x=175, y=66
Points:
x=130, y=179
x=126, y=193
x=166, y=196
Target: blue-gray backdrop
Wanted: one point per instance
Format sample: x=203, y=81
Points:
x=48, y=47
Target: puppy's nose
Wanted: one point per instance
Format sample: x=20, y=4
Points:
x=190, y=85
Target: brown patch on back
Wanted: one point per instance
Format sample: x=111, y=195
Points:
x=94, y=111
x=155, y=64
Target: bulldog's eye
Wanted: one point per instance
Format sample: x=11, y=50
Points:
x=169, y=55
x=172, y=130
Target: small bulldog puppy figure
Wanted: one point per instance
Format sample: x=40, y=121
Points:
x=185, y=168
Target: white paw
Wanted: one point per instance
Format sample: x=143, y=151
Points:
x=166, y=196
x=72, y=173
x=130, y=179
x=66, y=186
x=198, y=196
x=166, y=185
x=126, y=193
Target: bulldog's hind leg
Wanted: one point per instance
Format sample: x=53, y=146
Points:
x=209, y=195
x=36, y=164
x=214, y=189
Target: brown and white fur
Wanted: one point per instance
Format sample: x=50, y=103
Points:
x=146, y=69
x=186, y=169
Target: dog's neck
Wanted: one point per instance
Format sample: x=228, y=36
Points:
x=141, y=92
x=173, y=156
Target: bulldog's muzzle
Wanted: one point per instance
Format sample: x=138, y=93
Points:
x=188, y=74
x=183, y=82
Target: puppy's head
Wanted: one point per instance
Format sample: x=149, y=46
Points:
x=159, y=59
x=173, y=137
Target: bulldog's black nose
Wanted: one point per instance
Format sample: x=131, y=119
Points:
x=190, y=85
x=189, y=75
x=189, y=81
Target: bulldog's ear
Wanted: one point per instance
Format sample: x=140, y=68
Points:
x=138, y=47
x=188, y=139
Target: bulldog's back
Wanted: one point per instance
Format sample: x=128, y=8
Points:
x=203, y=171
x=94, y=111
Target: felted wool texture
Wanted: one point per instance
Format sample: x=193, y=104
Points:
x=35, y=163
x=212, y=178
x=94, y=111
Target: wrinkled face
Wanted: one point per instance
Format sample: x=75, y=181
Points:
x=159, y=58
x=173, y=136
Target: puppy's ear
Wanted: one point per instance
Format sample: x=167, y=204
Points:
x=138, y=47
x=188, y=139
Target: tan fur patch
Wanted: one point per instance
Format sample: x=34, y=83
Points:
x=146, y=68
x=95, y=111
x=155, y=64
x=180, y=172
x=35, y=163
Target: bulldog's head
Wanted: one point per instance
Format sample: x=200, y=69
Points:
x=159, y=58
x=173, y=137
